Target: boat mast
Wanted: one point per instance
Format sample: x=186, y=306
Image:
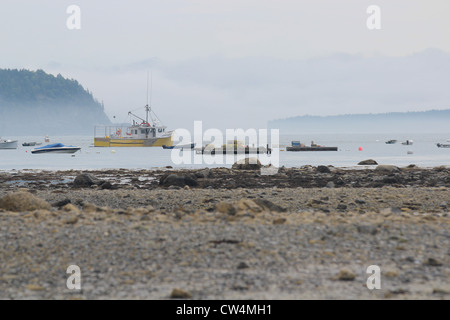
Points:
x=149, y=104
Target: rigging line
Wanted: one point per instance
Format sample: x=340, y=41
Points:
x=151, y=86
x=140, y=108
x=159, y=120
x=147, y=87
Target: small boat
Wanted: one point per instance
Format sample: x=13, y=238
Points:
x=298, y=146
x=180, y=146
x=56, y=148
x=8, y=144
x=47, y=139
x=443, y=145
x=391, y=141
x=407, y=143
x=31, y=144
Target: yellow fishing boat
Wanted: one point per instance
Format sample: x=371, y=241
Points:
x=141, y=133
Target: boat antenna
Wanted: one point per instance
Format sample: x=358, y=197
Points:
x=148, y=106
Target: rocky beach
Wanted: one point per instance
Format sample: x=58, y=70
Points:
x=302, y=233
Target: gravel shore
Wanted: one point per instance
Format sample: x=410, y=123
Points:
x=226, y=234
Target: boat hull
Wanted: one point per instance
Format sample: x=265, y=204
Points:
x=185, y=146
x=29, y=144
x=56, y=150
x=127, y=142
x=311, y=149
x=8, y=144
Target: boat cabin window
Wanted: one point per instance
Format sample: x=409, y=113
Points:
x=135, y=131
x=142, y=131
x=159, y=130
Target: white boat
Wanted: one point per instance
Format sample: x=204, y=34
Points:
x=8, y=144
x=180, y=146
x=56, y=148
x=407, y=143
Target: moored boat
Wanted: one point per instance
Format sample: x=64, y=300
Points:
x=391, y=142
x=31, y=144
x=56, y=148
x=180, y=146
x=443, y=145
x=8, y=144
x=148, y=132
x=297, y=146
x=141, y=133
x=407, y=143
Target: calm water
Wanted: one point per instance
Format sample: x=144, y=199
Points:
x=425, y=153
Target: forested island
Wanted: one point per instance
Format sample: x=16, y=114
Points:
x=432, y=121
x=38, y=103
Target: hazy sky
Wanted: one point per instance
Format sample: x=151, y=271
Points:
x=239, y=62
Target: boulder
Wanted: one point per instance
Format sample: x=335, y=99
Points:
x=180, y=294
x=226, y=207
x=259, y=205
x=368, y=162
x=23, y=201
x=247, y=164
x=203, y=174
x=387, y=168
x=266, y=204
x=86, y=180
x=182, y=180
x=323, y=169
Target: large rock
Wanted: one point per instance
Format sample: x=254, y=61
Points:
x=86, y=180
x=226, y=207
x=247, y=164
x=368, y=162
x=259, y=205
x=23, y=201
x=182, y=180
x=387, y=168
x=323, y=169
x=266, y=204
x=203, y=173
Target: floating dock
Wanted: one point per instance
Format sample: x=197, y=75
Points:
x=246, y=150
x=312, y=149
